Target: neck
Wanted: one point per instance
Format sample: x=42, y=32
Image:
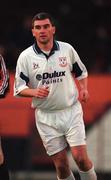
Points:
x=45, y=46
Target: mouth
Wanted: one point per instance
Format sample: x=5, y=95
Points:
x=43, y=36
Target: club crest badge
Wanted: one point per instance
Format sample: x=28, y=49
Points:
x=62, y=61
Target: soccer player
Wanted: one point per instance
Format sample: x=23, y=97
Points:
x=4, y=83
x=45, y=72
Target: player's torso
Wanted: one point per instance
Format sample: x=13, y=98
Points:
x=54, y=72
x=43, y=71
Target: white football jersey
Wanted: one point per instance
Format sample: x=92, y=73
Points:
x=35, y=69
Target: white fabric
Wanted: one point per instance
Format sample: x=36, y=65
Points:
x=54, y=72
x=57, y=127
x=88, y=175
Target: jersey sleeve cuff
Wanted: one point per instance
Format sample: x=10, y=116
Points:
x=17, y=91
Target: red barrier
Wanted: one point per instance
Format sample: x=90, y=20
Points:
x=100, y=97
x=16, y=114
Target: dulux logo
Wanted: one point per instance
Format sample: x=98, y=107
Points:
x=47, y=75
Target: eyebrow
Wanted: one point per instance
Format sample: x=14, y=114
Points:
x=41, y=25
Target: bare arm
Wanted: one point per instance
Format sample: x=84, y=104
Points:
x=41, y=92
x=84, y=95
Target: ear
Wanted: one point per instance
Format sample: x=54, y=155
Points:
x=54, y=29
x=33, y=33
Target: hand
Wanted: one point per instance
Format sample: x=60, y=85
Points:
x=41, y=92
x=84, y=95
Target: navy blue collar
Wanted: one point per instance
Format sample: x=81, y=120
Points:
x=39, y=51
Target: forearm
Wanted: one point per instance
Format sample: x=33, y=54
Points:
x=39, y=92
x=84, y=95
x=83, y=83
x=27, y=92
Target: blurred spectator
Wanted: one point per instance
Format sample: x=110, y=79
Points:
x=90, y=33
x=21, y=35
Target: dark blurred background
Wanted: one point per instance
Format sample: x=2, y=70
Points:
x=86, y=25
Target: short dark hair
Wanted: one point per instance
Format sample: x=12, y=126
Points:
x=42, y=16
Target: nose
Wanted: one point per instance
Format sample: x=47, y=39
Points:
x=42, y=30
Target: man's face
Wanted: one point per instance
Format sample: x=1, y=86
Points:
x=43, y=31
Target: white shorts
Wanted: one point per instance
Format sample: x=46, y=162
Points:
x=56, y=129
